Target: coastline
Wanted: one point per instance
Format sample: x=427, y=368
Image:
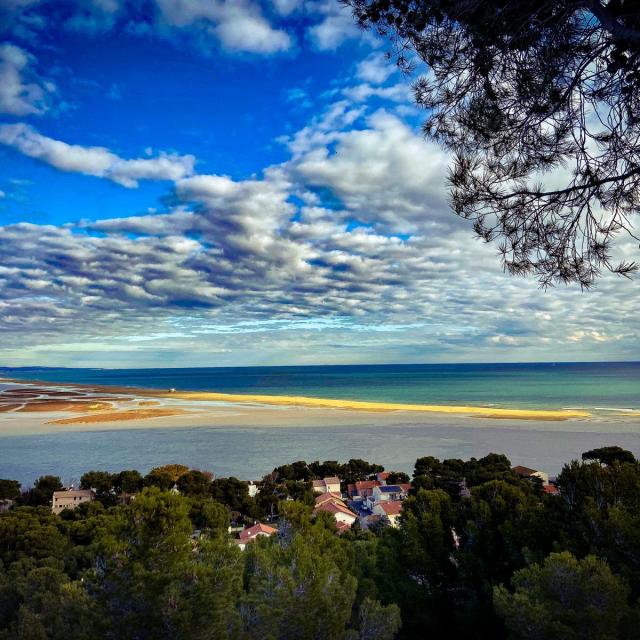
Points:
x=108, y=404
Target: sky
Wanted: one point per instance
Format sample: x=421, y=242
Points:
x=209, y=183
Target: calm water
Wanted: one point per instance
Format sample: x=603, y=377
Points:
x=250, y=452
x=548, y=385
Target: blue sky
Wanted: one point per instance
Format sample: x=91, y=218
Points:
x=217, y=183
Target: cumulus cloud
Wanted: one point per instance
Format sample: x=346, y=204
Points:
x=21, y=91
x=95, y=161
x=238, y=25
x=335, y=27
x=375, y=69
x=382, y=172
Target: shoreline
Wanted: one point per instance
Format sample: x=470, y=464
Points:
x=82, y=393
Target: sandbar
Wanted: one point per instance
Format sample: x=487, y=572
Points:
x=118, y=416
x=358, y=405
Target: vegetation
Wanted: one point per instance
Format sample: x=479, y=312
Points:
x=479, y=553
x=520, y=90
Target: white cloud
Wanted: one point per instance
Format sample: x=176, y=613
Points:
x=375, y=69
x=336, y=25
x=382, y=173
x=239, y=25
x=18, y=95
x=286, y=7
x=95, y=161
x=361, y=93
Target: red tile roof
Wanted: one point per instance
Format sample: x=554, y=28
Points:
x=334, y=507
x=551, y=489
x=366, y=484
x=523, y=471
x=324, y=497
x=392, y=508
x=257, y=529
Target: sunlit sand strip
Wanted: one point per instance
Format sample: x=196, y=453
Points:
x=357, y=405
x=117, y=416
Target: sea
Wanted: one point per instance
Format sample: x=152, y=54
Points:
x=607, y=388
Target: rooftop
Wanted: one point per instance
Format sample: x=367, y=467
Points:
x=392, y=508
x=524, y=471
x=256, y=529
x=391, y=488
x=73, y=493
x=334, y=507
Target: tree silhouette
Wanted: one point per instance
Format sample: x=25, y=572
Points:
x=539, y=103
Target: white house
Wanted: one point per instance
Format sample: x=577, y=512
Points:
x=327, y=485
x=525, y=472
x=387, y=493
x=253, y=489
x=70, y=499
x=249, y=534
x=338, y=509
x=389, y=511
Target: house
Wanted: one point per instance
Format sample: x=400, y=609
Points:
x=387, y=493
x=70, y=499
x=362, y=490
x=525, y=472
x=551, y=489
x=328, y=497
x=253, y=489
x=338, y=509
x=389, y=511
x=327, y=485
x=249, y=534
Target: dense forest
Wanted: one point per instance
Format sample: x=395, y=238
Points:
x=479, y=552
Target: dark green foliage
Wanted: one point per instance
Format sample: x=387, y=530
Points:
x=609, y=455
x=128, y=482
x=566, y=599
x=482, y=564
x=448, y=475
x=31, y=533
x=42, y=492
x=520, y=89
x=45, y=603
x=234, y=494
x=100, y=481
x=153, y=582
x=352, y=471
x=9, y=489
x=398, y=477
x=195, y=483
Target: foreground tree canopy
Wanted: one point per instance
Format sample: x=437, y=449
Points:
x=540, y=104
x=480, y=553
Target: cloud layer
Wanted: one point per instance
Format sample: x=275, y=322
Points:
x=346, y=250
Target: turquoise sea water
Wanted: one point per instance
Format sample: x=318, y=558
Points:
x=529, y=385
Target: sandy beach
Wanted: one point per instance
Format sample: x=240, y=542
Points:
x=66, y=404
